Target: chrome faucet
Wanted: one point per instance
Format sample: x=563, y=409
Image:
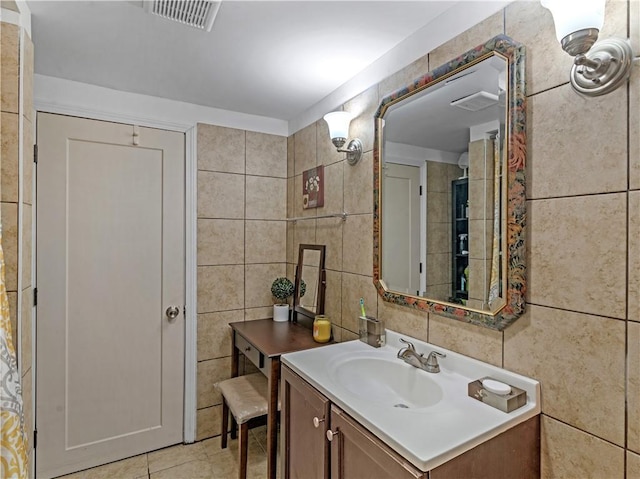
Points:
x=410, y=356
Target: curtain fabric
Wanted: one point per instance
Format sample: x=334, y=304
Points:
x=494, y=284
x=13, y=443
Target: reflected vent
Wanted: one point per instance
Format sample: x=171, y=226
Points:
x=477, y=101
x=195, y=13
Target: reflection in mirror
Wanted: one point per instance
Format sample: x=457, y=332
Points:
x=442, y=189
x=449, y=188
x=310, y=273
x=309, y=300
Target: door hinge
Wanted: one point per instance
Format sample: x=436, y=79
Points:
x=35, y=438
x=184, y=312
x=35, y=296
x=420, y=190
x=35, y=154
x=421, y=267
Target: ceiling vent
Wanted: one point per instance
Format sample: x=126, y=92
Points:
x=476, y=101
x=195, y=13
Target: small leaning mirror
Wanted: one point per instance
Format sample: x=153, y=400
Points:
x=449, y=204
x=310, y=282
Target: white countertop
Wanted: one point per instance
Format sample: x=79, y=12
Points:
x=428, y=436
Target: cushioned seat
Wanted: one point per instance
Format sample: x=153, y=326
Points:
x=247, y=399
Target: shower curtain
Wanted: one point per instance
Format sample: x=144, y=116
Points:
x=494, y=282
x=13, y=450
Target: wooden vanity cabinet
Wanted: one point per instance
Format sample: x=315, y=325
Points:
x=355, y=453
x=305, y=419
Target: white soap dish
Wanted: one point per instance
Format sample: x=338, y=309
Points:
x=496, y=387
x=497, y=394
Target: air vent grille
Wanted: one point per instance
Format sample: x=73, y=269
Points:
x=195, y=13
x=477, y=101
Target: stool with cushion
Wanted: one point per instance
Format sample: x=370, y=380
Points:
x=247, y=399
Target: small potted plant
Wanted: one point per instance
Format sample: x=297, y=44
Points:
x=282, y=289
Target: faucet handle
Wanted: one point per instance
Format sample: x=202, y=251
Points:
x=432, y=361
x=409, y=345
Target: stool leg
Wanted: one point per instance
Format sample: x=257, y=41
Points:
x=234, y=428
x=225, y=424
x=243, y=446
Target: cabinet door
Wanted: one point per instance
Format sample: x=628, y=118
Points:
x=358, y=454
x=305, y=418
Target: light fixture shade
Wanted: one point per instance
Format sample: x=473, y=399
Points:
x=571, y=16
x=338, y=122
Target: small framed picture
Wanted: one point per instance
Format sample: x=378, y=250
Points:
x=313, y=187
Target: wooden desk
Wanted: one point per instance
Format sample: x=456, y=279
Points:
x=263, y=341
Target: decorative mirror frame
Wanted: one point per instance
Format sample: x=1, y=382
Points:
x=513, y=227
x=322, y=282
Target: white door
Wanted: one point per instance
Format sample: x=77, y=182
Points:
x=401, y=213
x=110, y=261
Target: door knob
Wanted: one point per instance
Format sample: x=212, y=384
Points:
x=317, y=421
x=172, y=312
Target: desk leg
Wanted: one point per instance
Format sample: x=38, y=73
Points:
x=272, y=417
x=235, y=359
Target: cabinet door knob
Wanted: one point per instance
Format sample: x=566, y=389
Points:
x=331, y=434
x=316, y=421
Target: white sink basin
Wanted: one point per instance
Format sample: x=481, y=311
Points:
x=387, y=382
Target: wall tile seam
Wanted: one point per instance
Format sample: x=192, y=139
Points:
x=608, y=441
x=216, y=265
x=531, y=95
x=343, y=271
x=227, y=218
x=265, y=263
x=222, y=264
x=601, y=316
x=234, y=173
x=220, y=172
x=221, y=310
x=326, y=165
x=215, y=358
x=254, y=220
x=254, y=175
x=583, y=195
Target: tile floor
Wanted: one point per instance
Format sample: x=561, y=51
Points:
x=200, y=460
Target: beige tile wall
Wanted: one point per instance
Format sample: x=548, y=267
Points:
x=583, y=245
x=242, y=191
x=18, y=251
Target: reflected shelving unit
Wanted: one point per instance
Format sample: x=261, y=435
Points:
x=460, y=240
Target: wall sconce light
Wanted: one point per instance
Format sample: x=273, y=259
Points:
x=338, y=122
x=599, y=68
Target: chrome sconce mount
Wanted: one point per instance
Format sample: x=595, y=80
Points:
x=599, y=66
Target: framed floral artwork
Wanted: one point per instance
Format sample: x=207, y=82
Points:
x=313, y=187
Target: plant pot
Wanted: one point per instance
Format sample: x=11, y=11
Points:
x=281, y=312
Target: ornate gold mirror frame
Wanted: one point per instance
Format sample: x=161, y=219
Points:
x=513, y=223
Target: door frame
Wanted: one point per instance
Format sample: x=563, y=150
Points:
x=191, y=170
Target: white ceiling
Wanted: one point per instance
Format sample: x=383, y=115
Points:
x=269, y=58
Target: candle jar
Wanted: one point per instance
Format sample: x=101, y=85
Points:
x=321, y=329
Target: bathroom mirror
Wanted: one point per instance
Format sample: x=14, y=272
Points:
x=449, y=203
x=309, y=301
